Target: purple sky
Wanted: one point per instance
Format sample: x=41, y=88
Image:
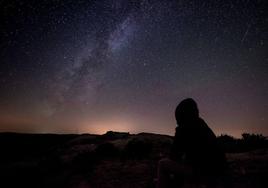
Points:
x=94, y=66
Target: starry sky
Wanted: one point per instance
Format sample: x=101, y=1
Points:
x=93, y=66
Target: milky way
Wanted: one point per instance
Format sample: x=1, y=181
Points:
x=93, y=66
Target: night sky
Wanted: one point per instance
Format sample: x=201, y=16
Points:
x=93, y=66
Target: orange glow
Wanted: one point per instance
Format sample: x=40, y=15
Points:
x=102, y=126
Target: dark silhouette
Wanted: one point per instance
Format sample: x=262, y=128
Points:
x=248, y=142
x=195, y=154
x=87, y=160
x=137, y=149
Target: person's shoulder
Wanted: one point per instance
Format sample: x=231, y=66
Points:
x=205, y=126
x=201, y=122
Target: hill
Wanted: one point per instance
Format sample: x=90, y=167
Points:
x=106, y=161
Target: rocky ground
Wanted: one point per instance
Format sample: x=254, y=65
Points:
x=112, y=160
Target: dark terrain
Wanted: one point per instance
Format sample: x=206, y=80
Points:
x=114, y=159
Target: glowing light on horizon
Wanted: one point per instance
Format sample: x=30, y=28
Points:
x=112, y=124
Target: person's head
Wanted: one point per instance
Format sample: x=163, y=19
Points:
x=186, y=111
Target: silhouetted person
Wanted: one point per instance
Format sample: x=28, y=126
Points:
x=195, y=155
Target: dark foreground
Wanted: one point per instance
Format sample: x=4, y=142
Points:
x=112, y=160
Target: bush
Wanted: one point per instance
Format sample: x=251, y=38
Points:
x=137, y=149
x=254, y=141
x=106, y=150
x=247, y=143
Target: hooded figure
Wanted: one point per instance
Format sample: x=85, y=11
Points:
x=195, y=151
x=195, y=143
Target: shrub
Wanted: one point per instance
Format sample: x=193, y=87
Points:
x=137, y=149
x=106, y=150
